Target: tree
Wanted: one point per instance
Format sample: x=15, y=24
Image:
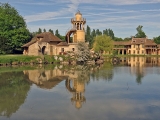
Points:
x=57, y=33
x=93, y=33
x=103, y=43
x=39, y=31
x=105, y=32
x=157, y=39
x=44, y=30
x=140, y=33
x=3, y=45
x=88, y=36
x=82, y=53
x=118, y=39
x=110, y=33
x=98, y=32
x=13, y=28
x=51, y=31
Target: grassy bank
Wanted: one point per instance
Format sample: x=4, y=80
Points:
x=17, y=58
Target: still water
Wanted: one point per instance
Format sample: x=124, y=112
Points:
x=129, y=90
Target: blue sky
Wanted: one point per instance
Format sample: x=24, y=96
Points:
x=122, y=16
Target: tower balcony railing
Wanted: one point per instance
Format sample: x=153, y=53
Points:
x=82, y=19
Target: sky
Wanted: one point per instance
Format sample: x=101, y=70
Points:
x=122, y=16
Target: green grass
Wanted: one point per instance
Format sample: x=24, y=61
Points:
x=17, y=58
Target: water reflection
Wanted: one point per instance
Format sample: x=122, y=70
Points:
x=13, y=92
x=138, y=65
x=75, y=79
x=98, y=92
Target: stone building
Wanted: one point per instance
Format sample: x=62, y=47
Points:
x=137, y=46
x=48, y=44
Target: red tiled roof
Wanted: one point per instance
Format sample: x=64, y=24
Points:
x=136, y=41
x=63, y=44
x=150, y=42
x=122, y=42
x=46, y=37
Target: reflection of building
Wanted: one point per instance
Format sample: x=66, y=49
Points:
x=77, y=90
x=75, y=80
x=46, y=78
x=49, y=44
x=137, y=46
x=137, y=64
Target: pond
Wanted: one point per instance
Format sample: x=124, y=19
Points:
x=128, y=90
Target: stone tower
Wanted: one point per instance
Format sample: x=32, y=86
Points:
x=78, y=24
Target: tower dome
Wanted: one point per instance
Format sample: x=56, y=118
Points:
x=78, y=16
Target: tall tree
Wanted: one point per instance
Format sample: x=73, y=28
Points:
x=103, y=43
x=93, y=33
x=98, y=32
x=140, y=33
x=51, y=31
x=57, y=33
x=105, y=32
x=88, y=36
x=13, y=28
x=44, y=30
x=39, y=31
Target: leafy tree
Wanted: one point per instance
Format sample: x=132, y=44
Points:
x=12, y=28
x=3, y=45
x=103, y=43
x=157, y=39
x=140, y=33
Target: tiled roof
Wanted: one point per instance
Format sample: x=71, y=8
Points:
x=136, y=41
x=31, y=42
x=46, y=37
x=150, y=42
x=63, y=44
x=122, y=42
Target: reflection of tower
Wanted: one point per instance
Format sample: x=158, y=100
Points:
x=77, y=90
x=78, y=23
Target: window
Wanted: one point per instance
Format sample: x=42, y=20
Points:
x=62, y=49
x=142, y=51
x=73, y=49
x=133, y=51
x=138, y=52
